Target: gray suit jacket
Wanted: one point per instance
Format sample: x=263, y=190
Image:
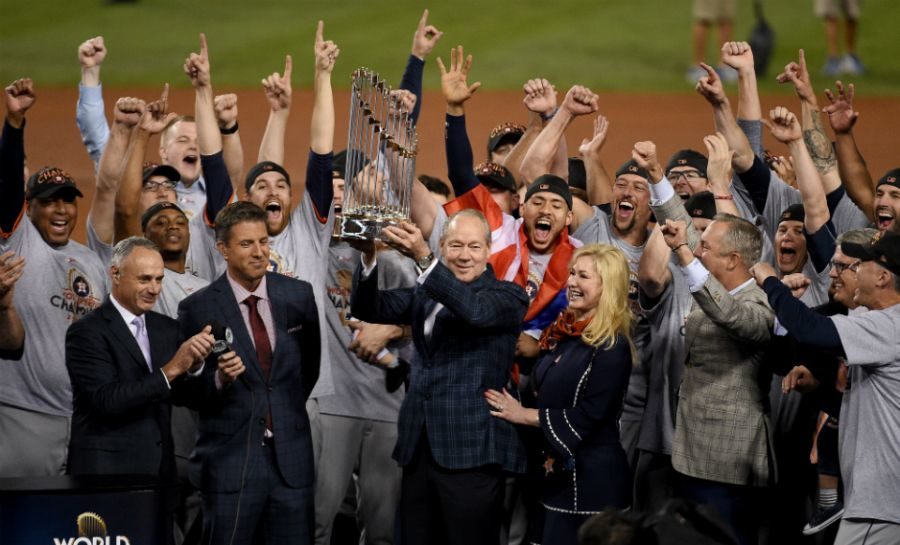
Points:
x=722, y=428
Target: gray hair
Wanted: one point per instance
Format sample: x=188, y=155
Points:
x=467, y=213
x=856, y=236
x=124, y=248
x=742, y=237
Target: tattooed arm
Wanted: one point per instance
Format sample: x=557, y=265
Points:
x=817, y=142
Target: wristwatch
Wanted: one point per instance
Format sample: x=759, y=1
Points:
x=424, y=262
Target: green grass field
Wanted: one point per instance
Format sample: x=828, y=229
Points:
x=641, y=45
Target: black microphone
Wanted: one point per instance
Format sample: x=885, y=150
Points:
x=223, y=337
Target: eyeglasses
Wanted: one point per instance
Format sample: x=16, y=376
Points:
x=841, y=267
x=167, y=185
x=686, y=174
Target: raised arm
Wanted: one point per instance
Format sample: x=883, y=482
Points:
x=653, y=270
x=456, y=90
x=278, y=94
x=89, y=111
x=127, y=204
x=718, y=165
x=739, y=56
x=19, y=98
x=322, y=127
x=226, y=107
x=786, y=129
x=424, y=40
x=540, y=99
x=209, y=140
x=12, y=331
x=817, y=142
x=599, y=184
x=126, y=116
x=710, y=87
x=851, y=165
x=538, y=161
x=318, y=182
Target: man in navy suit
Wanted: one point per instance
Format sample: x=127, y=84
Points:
x=126, y=366
x=253, y=462
x=465, y=324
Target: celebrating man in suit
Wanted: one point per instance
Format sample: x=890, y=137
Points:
x=465, y=323
x=722, y=448
x=253, y=462
x=126, y=364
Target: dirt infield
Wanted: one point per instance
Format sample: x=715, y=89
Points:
x=674, y=122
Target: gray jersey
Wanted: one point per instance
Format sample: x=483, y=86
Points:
x=301, y=251
x=203, y=258
x=847, y=216
x=175, y=287
x=598, y=229
x=102, y=249
x=817, y=292
x=870, y=414
x=60, y=285
x=666, y=317
x=192, y=200
x=359, y=386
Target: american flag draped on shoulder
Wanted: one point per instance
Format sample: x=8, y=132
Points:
x=509, y=256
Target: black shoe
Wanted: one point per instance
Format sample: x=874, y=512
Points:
x=823, y=518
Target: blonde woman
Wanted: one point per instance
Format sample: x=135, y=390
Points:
x=581, y=378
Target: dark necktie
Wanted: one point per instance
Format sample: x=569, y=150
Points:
x=261, y=340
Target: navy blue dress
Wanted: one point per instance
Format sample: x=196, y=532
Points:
x=580, y=392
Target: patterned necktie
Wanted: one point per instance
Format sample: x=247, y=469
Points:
x=261, y=340
x=140, y=335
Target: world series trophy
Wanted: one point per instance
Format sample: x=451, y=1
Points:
x=381, y=159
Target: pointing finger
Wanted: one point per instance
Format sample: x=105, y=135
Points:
x=288, y=67
x=320, y=32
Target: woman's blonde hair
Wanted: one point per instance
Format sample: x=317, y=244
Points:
x=613, y=314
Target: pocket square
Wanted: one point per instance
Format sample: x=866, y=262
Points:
x=295, y=329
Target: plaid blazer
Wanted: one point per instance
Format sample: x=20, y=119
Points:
x=218, y=459
x=470, y=349
x=722, y=427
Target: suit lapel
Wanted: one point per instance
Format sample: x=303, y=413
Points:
x=279, y=314
x=232, y=317
x=424, y=304
x=122, y=333
x=158, y=345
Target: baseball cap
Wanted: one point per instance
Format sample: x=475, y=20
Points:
x=794, y=212
x=49, y=181
x=504, y=131
x=261, y=168
x=339, y=164
x=552, y=184
x=495, y=174
x=168, y=172
x=891, y=177
x=688, y=158
x=156, y=209
x=631, y=167
x=701, y=205
x=885, y=249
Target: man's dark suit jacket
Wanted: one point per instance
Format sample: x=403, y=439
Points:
x=122, y=412
x=227, y=416
x=470, y=350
